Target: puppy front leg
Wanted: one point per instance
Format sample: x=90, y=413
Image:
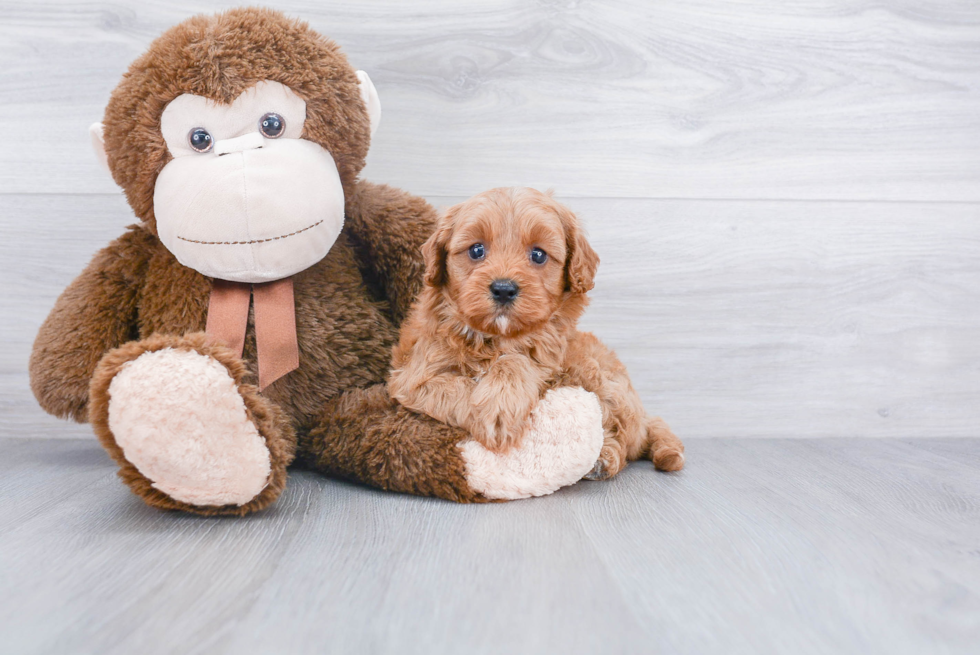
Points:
x=444, y=397
x=502, y=401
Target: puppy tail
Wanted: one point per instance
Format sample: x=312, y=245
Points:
x=665, y=449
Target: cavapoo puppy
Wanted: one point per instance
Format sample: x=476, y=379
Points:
x=506, y=276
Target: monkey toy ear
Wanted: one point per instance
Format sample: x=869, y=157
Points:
x=370, y=97
x=98, y=145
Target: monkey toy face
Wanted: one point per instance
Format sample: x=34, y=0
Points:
x=238, y=161
x=245, y=197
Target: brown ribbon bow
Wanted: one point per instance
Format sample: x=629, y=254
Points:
x=275, y=323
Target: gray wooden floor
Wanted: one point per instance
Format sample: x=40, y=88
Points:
x=759, y=546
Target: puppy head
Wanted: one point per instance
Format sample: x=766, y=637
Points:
x=508, y=259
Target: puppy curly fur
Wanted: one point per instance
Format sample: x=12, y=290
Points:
x=482, y=364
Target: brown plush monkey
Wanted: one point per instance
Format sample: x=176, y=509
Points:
x=247, y=319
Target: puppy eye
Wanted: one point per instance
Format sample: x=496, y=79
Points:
x=272, y=125
x=477, y=251
x=538, y=256
x=200, y=139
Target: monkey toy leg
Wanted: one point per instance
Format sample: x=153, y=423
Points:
x=365, y=436
x=186, y=432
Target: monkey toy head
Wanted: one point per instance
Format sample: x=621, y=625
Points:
x=236, y=138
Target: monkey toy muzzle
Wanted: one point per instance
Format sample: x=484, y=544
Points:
x=236, y=205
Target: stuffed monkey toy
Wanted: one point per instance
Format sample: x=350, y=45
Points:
x=246, y=322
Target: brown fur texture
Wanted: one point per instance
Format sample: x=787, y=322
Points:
x=135, y=296
x=218, y=57
x=472, y=361
x=269, y=420
x=422, y=460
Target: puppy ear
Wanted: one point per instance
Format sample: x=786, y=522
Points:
x=434, y=250
x=581, y=261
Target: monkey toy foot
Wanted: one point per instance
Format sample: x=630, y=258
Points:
x=559, y=447
x=186, y=432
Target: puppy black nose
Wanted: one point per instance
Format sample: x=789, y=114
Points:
x=504, y=291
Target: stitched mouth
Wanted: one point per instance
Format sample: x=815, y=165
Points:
x=245, y=243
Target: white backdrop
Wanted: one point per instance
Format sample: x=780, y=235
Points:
x=785, y=196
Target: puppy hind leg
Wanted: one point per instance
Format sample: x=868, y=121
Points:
x=625, y=428
x=612, y=459
x=665, y=449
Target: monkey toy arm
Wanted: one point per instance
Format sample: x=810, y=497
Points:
x=97, y=312
x=387, y=227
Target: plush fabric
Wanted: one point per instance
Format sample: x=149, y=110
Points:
x=219, y=57
x=178, y=417
x=227, y=121
x=333, y=412
x=241, y=143
x=288, y=190
x=95, y=133
x=369, y=96
x=270, y=421
x=252, y=208
x=541, y=465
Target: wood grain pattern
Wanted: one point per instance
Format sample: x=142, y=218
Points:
x=759, y=546
x=838, y=99
x=747, y=302
x=735, y=318
x=793, y=319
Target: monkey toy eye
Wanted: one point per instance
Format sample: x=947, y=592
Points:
x=272, y=125
x=200, y=139
x=477, y=251
x=538, y=256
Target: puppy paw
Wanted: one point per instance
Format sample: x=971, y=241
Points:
x=498, y=428
x=561, y=444
x=668, y=459
x=666, y=450
x=598, y=472
x=609, y=464
x=482, y=429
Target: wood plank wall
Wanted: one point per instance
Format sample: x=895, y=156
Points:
x=785, y=196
